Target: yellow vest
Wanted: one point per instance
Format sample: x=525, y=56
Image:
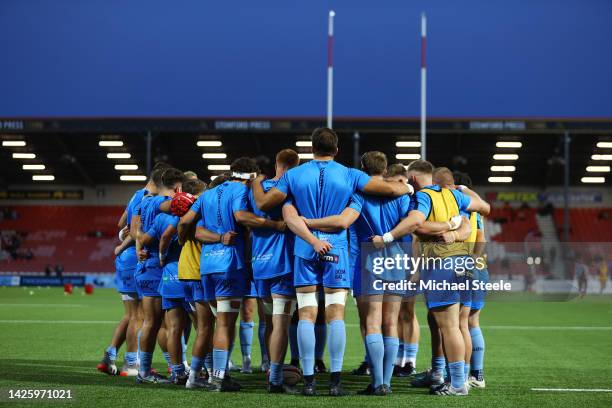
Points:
x=444, y=206
x=471, y=241
x=189, y=260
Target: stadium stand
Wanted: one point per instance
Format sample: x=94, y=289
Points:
x=80, y=238
x=587, y=224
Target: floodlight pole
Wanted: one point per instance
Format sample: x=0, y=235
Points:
x=330, y=67
x=423, y=87
x=356, y=148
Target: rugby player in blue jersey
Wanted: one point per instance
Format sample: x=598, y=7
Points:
x=272, y=263
x=225, y=212
x=149, y=271
x=320, y=188
x=125, y=266
x=433, y=202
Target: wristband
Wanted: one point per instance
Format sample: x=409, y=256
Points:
x=450, y=226
x=460, y=187
x=121, y=235
x=162, y=257
x=221, y=238
x=388, y=238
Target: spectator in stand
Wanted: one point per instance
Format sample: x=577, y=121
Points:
x=59, y=270
x=581, y=273
x=48, y=270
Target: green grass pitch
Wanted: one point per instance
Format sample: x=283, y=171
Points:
x=53, y=341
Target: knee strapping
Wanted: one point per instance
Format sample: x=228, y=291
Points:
x=307, y=299
x=338, y=298
x=226, y=305
x=280, y=305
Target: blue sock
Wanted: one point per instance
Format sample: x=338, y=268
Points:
x=337, y=345
x=306, y=343
x=167, y=357
x=261, y=335
x=229, y=354
x=131, y=357
x=391, y=346
x=112, y=352
x=478, y=349
x=208, y=363
x=438, y=364
x=456, y=374
x=276, y=373
x=177, y=369
x=466, y=370
x=400, y=354
x=246, y=338
x=220, y=359
x=369, y=361
x=184, y=348
x=411, y=350
x=138, y=341
x=145, y=363
x=196, y=365
x=376, y=353
x=293, y=342
x=320, y=340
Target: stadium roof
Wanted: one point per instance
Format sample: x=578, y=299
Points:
x=70, y=149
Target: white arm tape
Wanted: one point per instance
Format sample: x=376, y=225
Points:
x=307, y=299
x=338, y=298
x=267, y=306
x=280, y=305
x=225, y=305
x=213, y=309
x=387, y=238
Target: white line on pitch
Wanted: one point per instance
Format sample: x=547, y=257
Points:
x=572, y=389
x=51, y=305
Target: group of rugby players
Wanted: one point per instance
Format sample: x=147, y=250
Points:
x=184, y=260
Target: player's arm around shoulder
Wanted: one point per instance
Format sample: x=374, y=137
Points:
x=476, y=204
x=333, y=223
x=386, y=188
x=265, y=201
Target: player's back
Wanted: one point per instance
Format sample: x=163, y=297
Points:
x=378, y=214
x=149, y=208
x=134, y=204
x=160, y=224
x=271, y=250
x=217, y=207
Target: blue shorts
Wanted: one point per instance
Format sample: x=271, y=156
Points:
x=194, y=291
x=478, y=296
x=148, y=281
x=175, y=303
x=125, y=270
x=331, y=270
x=440, y=274
x=226, y=284
x=278, y=285
x=252, y=290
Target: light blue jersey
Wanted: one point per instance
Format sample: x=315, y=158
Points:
x=271, y=250
x=170, y=286
x=216, y=208
x=321, y=189
x=149, y=209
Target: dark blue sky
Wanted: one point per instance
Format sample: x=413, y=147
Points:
x=267, y=58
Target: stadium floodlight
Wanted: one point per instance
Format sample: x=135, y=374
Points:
x=598, y=169
x=604, y=145
x=110, y=143
x=219, y=167
x=505, y=157
x=24, y=156
x=303, y=143
x=503, y=168
x=13, y=143
x=33, y=167
x=597, y=157
x=408, y=156
x=408, y=143
x=500, y=179
x=209, y=143
x=306, y=156
x=593, y=179
x=133, y=177
x=118, y=156
x=126, y=167
x=43, y=177
x=214, y=156
x=510, y=145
